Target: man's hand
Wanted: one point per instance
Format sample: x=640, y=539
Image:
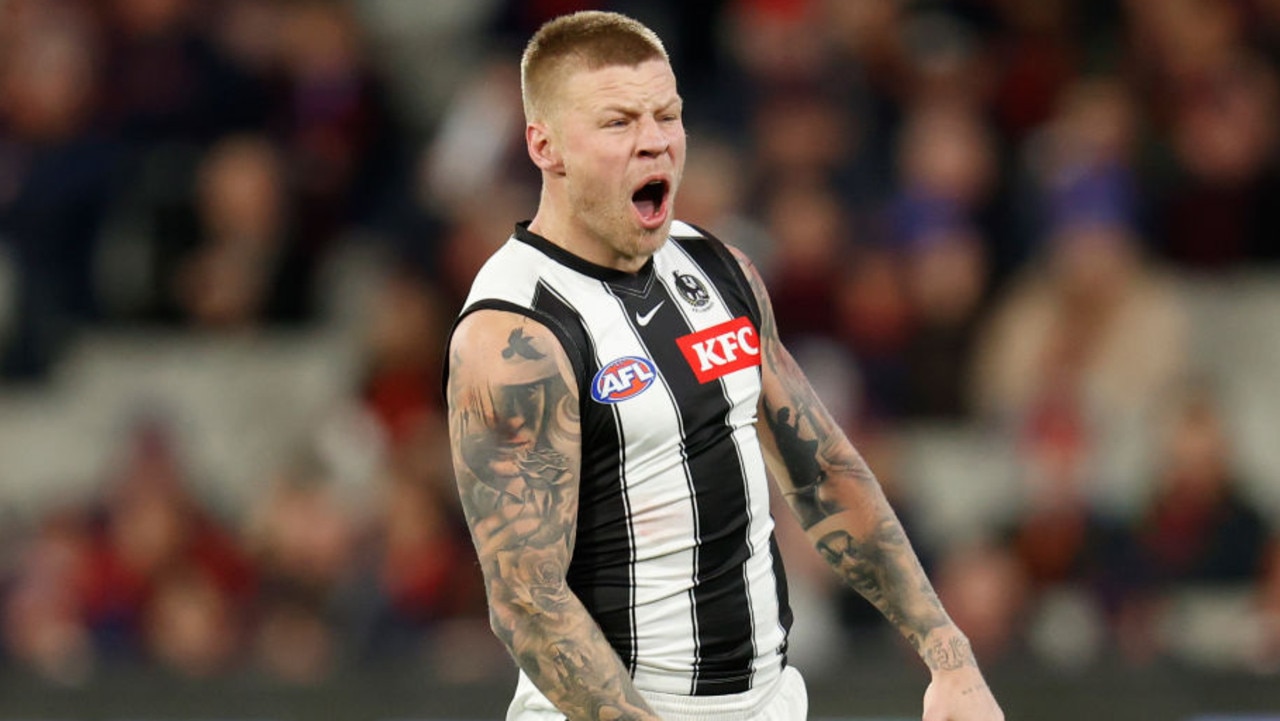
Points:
x=957, y=691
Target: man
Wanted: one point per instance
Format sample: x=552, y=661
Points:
x=617, y=398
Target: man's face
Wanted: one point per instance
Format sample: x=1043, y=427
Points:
x=622, y=143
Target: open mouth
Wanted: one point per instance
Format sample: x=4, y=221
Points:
x=650, y=201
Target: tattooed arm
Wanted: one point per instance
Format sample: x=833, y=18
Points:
x=514, y=430
x=843, y=510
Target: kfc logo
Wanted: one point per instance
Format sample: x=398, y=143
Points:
x=722, y=349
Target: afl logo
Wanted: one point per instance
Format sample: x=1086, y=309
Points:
x=620, y=379
x=692, y=290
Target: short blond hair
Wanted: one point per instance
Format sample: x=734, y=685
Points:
x=589, y=39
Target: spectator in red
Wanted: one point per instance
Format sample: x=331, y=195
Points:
x=154, y=530
x=43, y=624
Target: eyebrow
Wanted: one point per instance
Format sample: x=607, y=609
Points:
x=676, y=102
x=616, y=108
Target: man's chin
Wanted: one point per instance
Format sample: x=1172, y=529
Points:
x=651, y=240
x=658, y=234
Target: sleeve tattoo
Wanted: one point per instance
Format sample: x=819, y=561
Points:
x=514, y=430
x=840, y=504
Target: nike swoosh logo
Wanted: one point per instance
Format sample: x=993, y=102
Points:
x=644, y=319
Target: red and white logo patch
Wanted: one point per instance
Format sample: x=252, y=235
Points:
x=623, y=378
x=721, y=349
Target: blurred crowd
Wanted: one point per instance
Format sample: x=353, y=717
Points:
x=968, y=211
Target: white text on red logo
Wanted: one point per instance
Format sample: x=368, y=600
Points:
x=722, y=349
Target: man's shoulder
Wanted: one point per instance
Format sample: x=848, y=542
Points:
x=509, y=273
x=686, y=232
x=511, y=258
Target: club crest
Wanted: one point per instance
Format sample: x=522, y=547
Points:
x=692, y=290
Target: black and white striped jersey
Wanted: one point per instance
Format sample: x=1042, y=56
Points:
x=675, y=555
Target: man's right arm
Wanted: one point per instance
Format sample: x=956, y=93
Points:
x=515, y=435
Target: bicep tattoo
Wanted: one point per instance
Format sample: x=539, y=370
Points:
x=514, y=428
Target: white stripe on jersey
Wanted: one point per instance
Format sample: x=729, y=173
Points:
x=657, y=492
x=761, y=583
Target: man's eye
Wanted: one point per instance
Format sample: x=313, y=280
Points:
x=616, y=123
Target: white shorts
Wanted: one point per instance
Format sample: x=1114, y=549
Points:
x=783, y=700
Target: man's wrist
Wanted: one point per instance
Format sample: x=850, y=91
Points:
x=947, y=649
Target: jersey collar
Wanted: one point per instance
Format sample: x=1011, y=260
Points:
x=581, y=265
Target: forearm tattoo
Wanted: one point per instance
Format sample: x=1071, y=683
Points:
x=828, y=481
x=883, y=568
x=810, y=442
x=800, y=440
x=513, y=423
x=949, y=654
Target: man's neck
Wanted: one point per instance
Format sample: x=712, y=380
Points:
x=559, y=229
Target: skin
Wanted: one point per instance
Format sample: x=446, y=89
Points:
x=516, y=439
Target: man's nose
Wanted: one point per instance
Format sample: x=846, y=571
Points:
x=654, y=139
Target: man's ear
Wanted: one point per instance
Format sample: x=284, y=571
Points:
x=543, y=150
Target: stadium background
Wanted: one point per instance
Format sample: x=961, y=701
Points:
x=1026, y=250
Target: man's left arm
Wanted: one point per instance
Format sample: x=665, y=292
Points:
x=843, y=510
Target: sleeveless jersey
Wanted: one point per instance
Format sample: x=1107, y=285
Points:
x=675, y=555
